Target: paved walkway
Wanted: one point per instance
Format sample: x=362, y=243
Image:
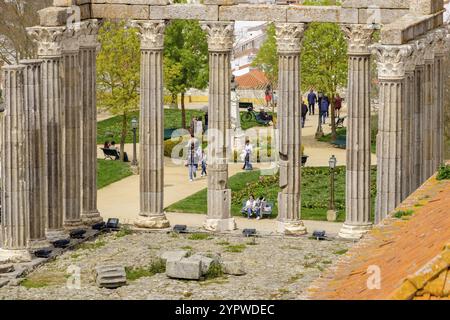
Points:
x=121, y=199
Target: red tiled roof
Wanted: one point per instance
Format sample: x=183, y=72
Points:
x=413, y=255
x=255, y=79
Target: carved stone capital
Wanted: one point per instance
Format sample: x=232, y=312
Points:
x=410, y=62
x=151, y=33
x=289, y=37
x=440, y=44
x=70, y=41
x=220, y=35
x=391, y=60
x=88, y=33
x=48, y=39
x=429, y=40
x=419, y=54
x=358, y=38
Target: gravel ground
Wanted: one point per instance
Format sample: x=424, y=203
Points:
x=277, y=268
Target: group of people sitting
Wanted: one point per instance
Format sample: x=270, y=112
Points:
x=112, y=146
x=256, y=207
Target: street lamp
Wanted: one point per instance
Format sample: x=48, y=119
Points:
x=331, y=214
x=134, y=126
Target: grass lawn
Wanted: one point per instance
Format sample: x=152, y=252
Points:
x=110, y=129
x=315, y=193
x=109, y=171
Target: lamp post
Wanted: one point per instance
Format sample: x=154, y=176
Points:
x=134, y=126
x=331, y=214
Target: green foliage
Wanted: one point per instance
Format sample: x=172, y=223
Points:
x=118, y=73
x=99, y=243
x=199, y=236
x=109, y=171
x=401, y=213
x=340, y=251
x=157, y=266
x=267, y=58
x=214, y=271
x=443, y=173
x=235, y=248
x=123, y=232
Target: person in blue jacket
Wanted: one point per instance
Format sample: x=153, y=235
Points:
x=323, y=108
x=312, y=99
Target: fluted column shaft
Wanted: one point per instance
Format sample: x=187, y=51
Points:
x=390, y=151
x=220, y=36
x=71, y=130
x=151, y=130
x=408, y=134
x=289, y=37
x=358, y=203
x=429, y=110
x=36, y=154
x=418, y=125
x=438, y=130
x=15, y=164
x=49, y=50
x=88, y=53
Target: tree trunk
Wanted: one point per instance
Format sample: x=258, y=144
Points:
x=123, y=136
x=333, y=118
x=183, y=112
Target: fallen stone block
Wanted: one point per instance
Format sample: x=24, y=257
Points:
x=174, y=255
x=3, y=282
x=206, y=261
x=110, y=276
x=234, y=268
x=189, y=269
x=6, y=268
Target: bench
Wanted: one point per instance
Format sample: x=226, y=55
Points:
x=264, y=213
x=340, y=142
x=110, y=154
x=245, y=105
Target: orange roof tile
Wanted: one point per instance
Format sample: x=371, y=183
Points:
x=255, y=79
x=413, y=254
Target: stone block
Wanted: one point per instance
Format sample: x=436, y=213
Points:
x=425, y=7
x=184, y=269
x=321, y=14
x=205, y=261
x=132, y=2
x=65, y=3
x=53, y=16
x=246, y=12
x=120, y=11
x=173, y=255
x=110, y=276
x=382, y=4
x=234, y=268
x=185, y=11
x=6, y=268
x=380, y=16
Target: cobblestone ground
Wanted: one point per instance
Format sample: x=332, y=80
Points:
x=277, y=268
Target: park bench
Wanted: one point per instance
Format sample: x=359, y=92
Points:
x=264, y=213
x=245, y=105
x=110, y=154
x=340, y=142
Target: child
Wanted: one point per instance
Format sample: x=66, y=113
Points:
x=203, y=161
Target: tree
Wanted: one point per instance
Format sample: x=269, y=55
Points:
x=324, y=62
x=185, y=60
x=16, y=16
x=118, y=73
x=267, y=59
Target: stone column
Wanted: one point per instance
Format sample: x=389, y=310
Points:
x=358, y=204
x=408, y=126
x=429, y=108
x=37, y=156
x=15, y=173
x=289, y=37
x=88, y=54
x=151, y=134
x=418, y=176
x=220, y=45
x=439, y=72
x=391, y=74
x=49, y=50
x=71, y=99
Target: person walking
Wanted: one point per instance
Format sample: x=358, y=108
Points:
x=268, y=95
x=203, y=162
x=324, y=104
x=248, y=149
x=304, y=113
x=312, y=99
x=338, y=105
x=192, y=158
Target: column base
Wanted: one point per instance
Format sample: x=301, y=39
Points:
x=14, y=256
x=90, y=218
x=220, y=225
x=39, y=244
x=291, y=228
x=73, y=224
x=354, y=232
x=53, y=235
x=152, y=222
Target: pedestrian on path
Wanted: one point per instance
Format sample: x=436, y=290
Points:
x=192, y=158
x=338, y=105
x=248, y=149
x=324, y=109
x=312, y=99
x=304, y=113
x=203, y=162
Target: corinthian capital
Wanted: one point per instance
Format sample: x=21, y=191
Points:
x=289, y=37
x=440, y=41
x=391, y=60
x=88, y=33
x=220, y=35
x=48, y=39
x=151, y=33
x=358, y=37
